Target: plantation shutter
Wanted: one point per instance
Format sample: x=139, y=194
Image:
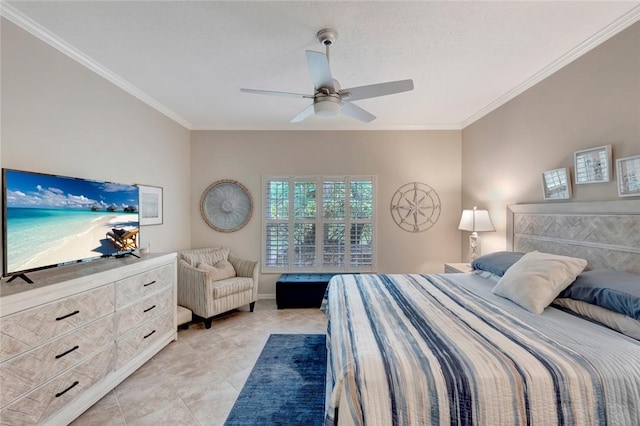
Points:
x=319, y=224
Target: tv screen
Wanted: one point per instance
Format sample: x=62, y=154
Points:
x=54, y=220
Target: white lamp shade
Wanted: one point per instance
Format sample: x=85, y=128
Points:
x=327, y=108
x=475, y=221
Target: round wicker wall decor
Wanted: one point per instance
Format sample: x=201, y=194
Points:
x=226, y=205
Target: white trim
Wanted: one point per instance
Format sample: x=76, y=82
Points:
x=294, y=127
x=56, y=42
x=268, y=296
x=591, y=43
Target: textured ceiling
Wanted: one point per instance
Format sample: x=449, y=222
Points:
x=189, y=59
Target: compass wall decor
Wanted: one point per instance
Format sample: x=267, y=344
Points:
x=226, y=205
x=415, y=207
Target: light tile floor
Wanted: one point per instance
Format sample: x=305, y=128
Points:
x=196, y=379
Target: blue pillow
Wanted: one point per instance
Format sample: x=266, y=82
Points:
x=614, y=290
x=497, y=263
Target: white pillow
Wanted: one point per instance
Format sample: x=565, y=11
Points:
x=538, y=278
x=221, y=270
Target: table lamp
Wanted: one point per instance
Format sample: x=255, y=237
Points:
x=475, y=221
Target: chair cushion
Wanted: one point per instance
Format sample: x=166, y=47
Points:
x=219, y=271
x=231, y=286
x=208, y=257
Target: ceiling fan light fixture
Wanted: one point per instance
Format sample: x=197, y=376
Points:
x=328, y=107
x=329, y=99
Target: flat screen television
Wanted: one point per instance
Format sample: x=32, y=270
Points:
x=51, y=220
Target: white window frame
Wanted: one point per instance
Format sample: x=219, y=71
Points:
x=320, y=221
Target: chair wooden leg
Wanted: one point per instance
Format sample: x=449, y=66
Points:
x=251, y=306
x=207, y=323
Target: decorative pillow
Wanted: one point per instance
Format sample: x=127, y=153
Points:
x=614, y=290
x=219, y=271
x=614, y=320
x=209, y=257
x=537, y=278
x=497, y=263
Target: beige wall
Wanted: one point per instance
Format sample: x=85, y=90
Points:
x=432, y=157
x=591, y=102
x=58, y=117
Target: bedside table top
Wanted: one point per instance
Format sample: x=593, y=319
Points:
x=457, y=268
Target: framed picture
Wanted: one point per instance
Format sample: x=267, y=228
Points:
x=593, y=165
x=150, y=205
x=628, y=176
x=556, y=184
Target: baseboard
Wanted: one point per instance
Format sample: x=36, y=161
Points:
x=266, y=296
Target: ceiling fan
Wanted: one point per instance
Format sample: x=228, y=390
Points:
x=328, y=98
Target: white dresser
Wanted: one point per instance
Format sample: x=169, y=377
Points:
x=80, y=330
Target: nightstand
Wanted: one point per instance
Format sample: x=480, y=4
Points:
x=454, y=268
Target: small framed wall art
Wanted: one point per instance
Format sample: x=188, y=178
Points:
x=593, y=165
x=150, y=205
x=628, y=170
x=556, y=184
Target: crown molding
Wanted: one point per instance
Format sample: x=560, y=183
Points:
x=325, y=128
x=600, y=37
x=57, y=43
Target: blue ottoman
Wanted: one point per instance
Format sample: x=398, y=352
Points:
x=301, y=290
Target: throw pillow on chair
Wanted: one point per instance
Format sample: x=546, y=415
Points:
x=219, y=271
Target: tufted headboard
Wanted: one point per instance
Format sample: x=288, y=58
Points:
x=605, y=233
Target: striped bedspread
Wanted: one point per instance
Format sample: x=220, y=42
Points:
x=428, y=350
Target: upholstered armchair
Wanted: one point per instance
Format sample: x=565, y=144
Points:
x=212, y=281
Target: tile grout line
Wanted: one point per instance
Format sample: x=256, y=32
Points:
x=166, y=377
x=115, y=395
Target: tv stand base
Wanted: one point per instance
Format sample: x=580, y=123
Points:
x=23, y=276
x=121, y=255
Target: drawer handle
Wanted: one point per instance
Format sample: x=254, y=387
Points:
x=67, y=316
x=148, y=309
x=152, y=282
x=59, y=394
x=67, y=352
x=149, y=334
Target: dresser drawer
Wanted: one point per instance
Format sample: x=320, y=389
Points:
x=142, y=285
x=27, y=371
x=26, y=329
x=142, y=311
x=44, y=401
x=139, y=339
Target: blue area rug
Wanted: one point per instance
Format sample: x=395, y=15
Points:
x=287, y=384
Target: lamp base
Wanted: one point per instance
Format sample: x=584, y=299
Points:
x=474, y=246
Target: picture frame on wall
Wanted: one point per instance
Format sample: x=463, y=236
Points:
x=150, y=205
x=556, y=184
x=593, y=165
x=628, y=173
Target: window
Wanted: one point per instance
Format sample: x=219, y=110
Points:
x=319, y=224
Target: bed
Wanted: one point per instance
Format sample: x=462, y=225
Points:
x=411, y=349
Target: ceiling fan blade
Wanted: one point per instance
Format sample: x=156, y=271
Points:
x=356, y=112
x=307, y=112
x=320, y=70
x=272, y=93
x=374, y=90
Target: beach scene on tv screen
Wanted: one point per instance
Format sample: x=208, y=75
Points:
x=52, y=220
